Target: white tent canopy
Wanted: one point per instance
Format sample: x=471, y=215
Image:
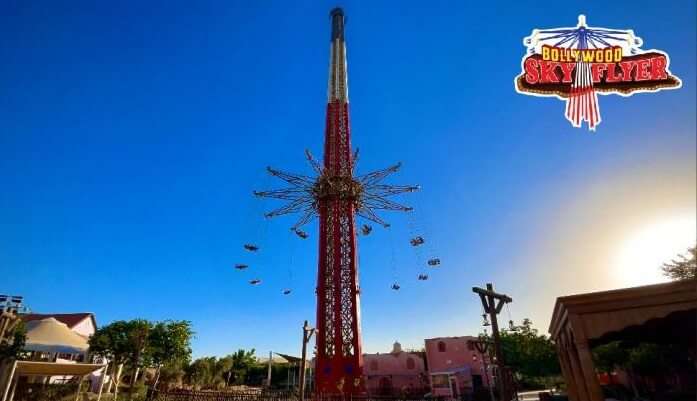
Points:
x=30, y=368
x=50, y=335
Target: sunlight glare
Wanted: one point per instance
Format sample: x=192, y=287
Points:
x=642, y=254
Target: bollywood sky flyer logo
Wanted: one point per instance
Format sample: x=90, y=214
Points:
x=577, y=64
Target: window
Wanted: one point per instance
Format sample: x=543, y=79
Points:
x=440, y=381
x=441, y=346
x=373, y=365
x=410, y=363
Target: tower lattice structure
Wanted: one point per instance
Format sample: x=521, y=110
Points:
x=336, y=196
x=339, y=363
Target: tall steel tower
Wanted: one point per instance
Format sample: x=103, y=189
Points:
x=339, y=359
x=335, y=195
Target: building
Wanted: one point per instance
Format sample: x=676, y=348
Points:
x=395, y=373
x=83, y=324
x=662, y=314
x=455, y=367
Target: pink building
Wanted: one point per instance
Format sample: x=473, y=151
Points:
x=455, y=367
x=395, y=373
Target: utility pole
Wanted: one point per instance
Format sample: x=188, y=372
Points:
x=307, y=334
x=268, y=373
x=493, y=303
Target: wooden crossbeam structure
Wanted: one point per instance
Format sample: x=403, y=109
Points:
x=493, y=303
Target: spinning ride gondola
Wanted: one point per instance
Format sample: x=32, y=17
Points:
x=416, y=241
x=251, y=247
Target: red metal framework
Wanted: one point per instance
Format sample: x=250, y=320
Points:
x=336, y=196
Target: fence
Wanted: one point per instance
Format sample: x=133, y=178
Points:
x=204, y=395
x=189, y=395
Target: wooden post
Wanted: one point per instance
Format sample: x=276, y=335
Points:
x=268, y=373
x=79, y=384
x=101, y=382
x=482, y=346
x=10, y=378
x=585, y=360
x=571, y=390
x=572, y=357
x=307, y=334
x=493, y=303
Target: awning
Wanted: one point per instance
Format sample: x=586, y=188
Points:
x=450, y=371
x=50, y=335
x=31, y=368
x=289, y=358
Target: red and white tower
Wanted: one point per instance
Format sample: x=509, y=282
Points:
x=339, y=362
x=336, y=196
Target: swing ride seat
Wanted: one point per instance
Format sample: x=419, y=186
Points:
x=301, y=234
x=251, y=247
x=366, y=229
x=423, y=277
x=286, y=292
x=254, y=282
x=395, y=286
x=241, y=266
x=434, y=262
x=416, y=241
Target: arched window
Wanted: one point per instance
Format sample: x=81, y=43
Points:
x=373, y=365
x=410, y=363
x=441, y=346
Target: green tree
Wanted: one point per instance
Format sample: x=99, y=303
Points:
x=13, y=341
x=682, y=268
x=173, y=374
x=169, y=345
x=211, y=372
x=530, y=354
x=242, y=363
x=201, y=373
x=224, y=367
x=123, y=343
x=610, y=356
x=112, y=343
x=138, y=334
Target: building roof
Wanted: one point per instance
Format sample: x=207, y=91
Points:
x=598, y=314
x=70, y=319
x=449, y=338
x=50, y=335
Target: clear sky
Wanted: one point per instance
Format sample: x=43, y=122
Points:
x=132, y=134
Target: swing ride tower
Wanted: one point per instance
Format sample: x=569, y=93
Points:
x=335, y=196
x=339, y=357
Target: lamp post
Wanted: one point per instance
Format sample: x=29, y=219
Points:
x=493, y=303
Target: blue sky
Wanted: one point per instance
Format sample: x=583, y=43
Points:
x=132, y=135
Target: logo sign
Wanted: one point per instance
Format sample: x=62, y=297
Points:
x=577, y=64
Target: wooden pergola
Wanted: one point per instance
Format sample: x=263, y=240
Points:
x=653, y=313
